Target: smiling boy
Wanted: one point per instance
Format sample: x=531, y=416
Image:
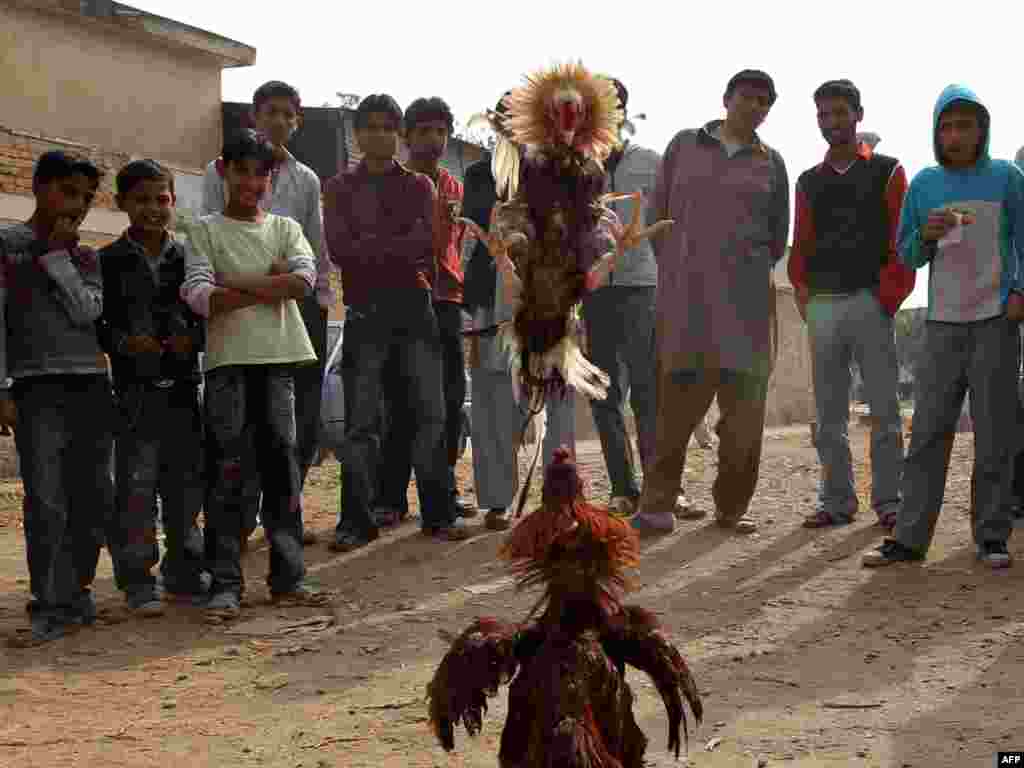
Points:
x=246, y=272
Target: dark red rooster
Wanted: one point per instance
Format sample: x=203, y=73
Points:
x=569, y=705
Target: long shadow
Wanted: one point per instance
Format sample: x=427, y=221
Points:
x=982, y=718
x=390, y=576
x=867, y=646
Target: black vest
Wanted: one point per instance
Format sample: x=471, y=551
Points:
x=851, y=225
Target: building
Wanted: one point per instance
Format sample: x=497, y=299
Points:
x=116, y=83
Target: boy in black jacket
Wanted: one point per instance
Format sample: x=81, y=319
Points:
x=153, y=339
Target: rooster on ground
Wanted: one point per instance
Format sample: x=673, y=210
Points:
x=569, y=704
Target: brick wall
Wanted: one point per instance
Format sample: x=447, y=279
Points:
x=19, y=152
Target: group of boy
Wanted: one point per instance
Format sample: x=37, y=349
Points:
x=250, y=289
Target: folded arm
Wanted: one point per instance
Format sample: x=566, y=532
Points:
x=76, y=272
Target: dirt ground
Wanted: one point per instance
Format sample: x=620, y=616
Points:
x=803, y=657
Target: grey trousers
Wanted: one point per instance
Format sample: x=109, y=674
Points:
x=957, y=357
x=843, y=329
x=497, y=423
x=620, y=333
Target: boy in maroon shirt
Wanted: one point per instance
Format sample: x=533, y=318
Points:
x=379, y=226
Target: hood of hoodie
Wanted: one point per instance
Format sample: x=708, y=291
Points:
x=960, y=93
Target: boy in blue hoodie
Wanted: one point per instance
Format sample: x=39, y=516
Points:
x=965, y=217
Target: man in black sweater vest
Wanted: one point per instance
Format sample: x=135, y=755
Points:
x=849, y=283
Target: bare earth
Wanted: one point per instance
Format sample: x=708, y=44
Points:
x=804, y=658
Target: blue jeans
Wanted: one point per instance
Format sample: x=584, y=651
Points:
x=159, y=450
x=410, y=352
x=64, y=438
x=250, y=415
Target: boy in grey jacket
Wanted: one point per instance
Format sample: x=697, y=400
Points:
x=59, y=402
x=620, y=331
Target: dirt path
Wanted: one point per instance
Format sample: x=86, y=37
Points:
x=804, y=658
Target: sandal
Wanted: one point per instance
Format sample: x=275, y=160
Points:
x=887, y=519
x=822, y=519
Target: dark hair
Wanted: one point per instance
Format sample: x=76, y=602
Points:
x=839, y=89
x=621, y=90
x=275, y=89
x=422, y=110
x=752, y=77
x=380, y=103
x=248, y=145
x=58, y=164
x=138, y=171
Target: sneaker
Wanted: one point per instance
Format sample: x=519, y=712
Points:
x=303, y=594
x=994, y=553
x=497, y=519
x=890, y=551
x=744, y=525
x=623, y=506
x=348, y=541
x=45, y=627
x=145, y=603
x=223, y=606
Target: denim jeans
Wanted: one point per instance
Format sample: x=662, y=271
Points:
x=159, y=450
x=395, y=469
x=64, y=438
x=309, y=381
x=250, y=414
x=377, y=347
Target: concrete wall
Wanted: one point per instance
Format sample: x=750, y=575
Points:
x=112, y=88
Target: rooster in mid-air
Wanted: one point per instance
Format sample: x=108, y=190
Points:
x=569, y=705
x=555, y=238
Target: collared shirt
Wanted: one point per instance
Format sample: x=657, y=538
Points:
x=294, y=192
x=731, y=214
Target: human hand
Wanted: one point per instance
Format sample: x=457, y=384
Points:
x=64, y=233
x=279, y=267
x=178, y=345
x=137, y=345
x=940, y=223
x=497, y=243
x=1015, y=307
x=8, y=413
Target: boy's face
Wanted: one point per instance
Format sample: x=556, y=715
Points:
x=149, y=205
x=959, y=136
x=248, y=181
x=428, y=141
x=67, y=198
x=378, y=138
x=278, y=119
x=748, y=105
x=837, y=120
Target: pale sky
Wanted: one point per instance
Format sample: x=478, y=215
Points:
x=675, y=63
